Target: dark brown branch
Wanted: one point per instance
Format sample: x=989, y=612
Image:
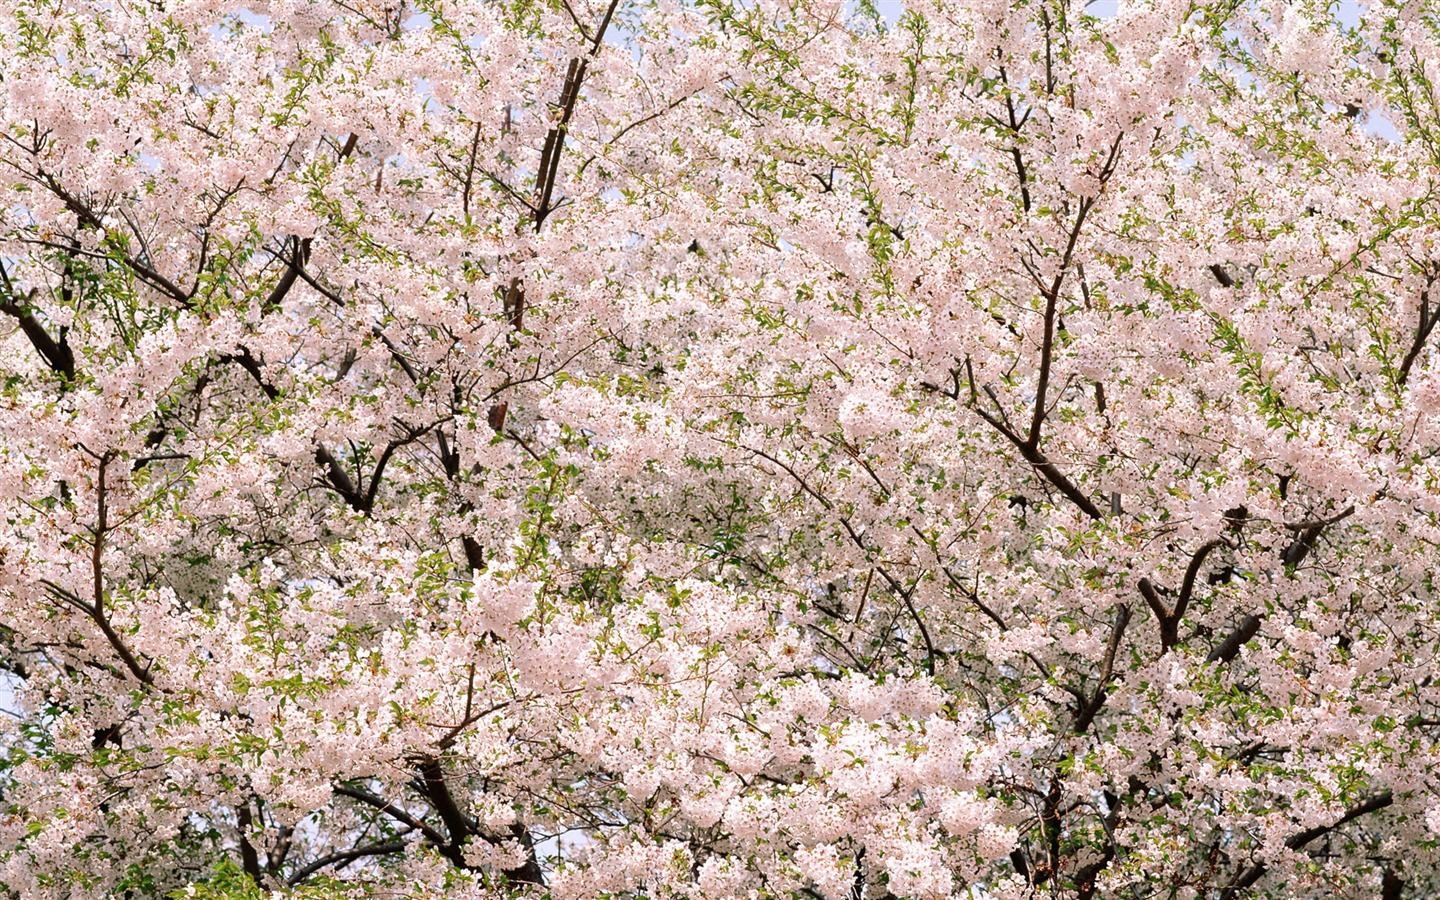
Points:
x=907, y=597
x=395, y=354
x=1169, y=620
x=434, y=785
x=57, y=354
x=584, y=32
x=555, y=140
x=248, y=857
x=284, y=843
x=1221, y=275
x=1428, y=318
x=474, y=553
x=514, y=304
x=1087, y=875
x=297, y=267
x=1052, y=295
x=469, y=183
x=309, y=279
x=974, y=598
x=1373, y=804
x=436, y=789
x=1308, y=524
x=245, y=360
x=466, y=720
x=1024, y=179
x=1162, y=615
x=1392, y=886
x=339, y=478
x=650, y=118
x=528, y=872
x=1052, y=301
x=549, y=171
x=89, y=218
x=1052, y=826
x=287, y=280
x=367, y=503
x=1036, y=458
x=97, y=605
x=393, y=811
x=346, y=856
x=1187, y=586
x=1015, y=125
x=604, y=26
x=1057, y=478
x=1029, y=444
x=1085, y=715
x=1253, y=873
x=1227, y=649
x=1307, y=534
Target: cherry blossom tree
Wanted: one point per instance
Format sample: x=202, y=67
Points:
x=766, y=449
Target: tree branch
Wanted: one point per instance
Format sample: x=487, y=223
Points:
x=1221, y=275
x=1085, y=715
x=1422, y=333
x=97, y=605
x=345, y=856
x=1229, y=648
x=249, y=859
x=1307, y=533
x=57, y=354
x=549, y=170
x=1248, y=876
x=88, y=217
x=1169, y=620
x=391, y=810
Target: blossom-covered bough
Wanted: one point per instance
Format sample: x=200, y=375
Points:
x=628, y=448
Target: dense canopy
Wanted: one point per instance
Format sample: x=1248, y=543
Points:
x=719, y=449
